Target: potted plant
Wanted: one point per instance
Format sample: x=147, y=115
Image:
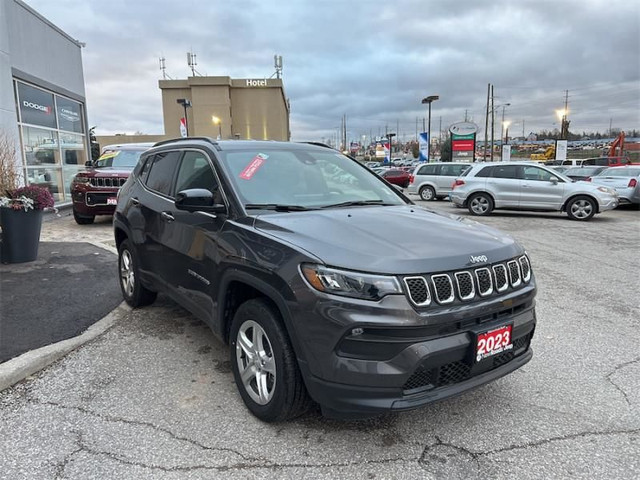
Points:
x=21, y=220
x=21, y=209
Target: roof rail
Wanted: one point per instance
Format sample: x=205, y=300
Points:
x=171, y=140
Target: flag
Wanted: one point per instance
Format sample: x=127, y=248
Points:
x=183, y=127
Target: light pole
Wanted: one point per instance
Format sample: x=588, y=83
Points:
x=429, y=100
x=185, y=102
x=217, y=121
x=502, y=131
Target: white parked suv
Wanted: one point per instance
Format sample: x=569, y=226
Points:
x=525, y=186
x=433, y=180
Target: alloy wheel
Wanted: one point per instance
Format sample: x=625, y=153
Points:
x=480, y=205
x=581, y=209
x=127, y=277
x=256, y=364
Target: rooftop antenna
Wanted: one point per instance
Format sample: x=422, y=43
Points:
x=164, y=69
x=277, y=63
x=191, y=61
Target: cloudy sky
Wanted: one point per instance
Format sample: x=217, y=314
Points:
x=371, y=60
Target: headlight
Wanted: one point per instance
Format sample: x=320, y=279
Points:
x=350, y=284
x=79, y=179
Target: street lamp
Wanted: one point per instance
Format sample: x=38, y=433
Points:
x=429, y=99
x=185, y=103
x=502, y=131
x=217, y=121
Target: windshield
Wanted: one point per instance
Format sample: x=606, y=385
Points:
x=620, y=172
x=310, y=178
x=119, y=159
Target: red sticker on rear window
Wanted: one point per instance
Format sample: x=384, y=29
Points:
x=251, y=169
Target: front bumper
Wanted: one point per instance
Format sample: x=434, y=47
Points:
x=609, y=202
x=94, y=202
x=404, y=358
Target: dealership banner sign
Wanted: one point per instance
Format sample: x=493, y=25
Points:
x=463, y=141
x=183, y=127
x=423, y=143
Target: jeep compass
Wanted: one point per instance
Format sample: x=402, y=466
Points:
x=326, y=282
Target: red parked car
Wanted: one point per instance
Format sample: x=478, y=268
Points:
x=397, y=177
x=95, y=190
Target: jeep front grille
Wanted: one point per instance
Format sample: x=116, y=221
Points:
x=500, y=275
x=107, y=182
x=467, y=285
x=419, y=290
x=485, y=283
x=443, y=288
x=514, y=273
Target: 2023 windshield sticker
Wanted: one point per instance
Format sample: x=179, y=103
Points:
x=253, y=166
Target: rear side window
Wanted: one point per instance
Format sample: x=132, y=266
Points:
x=505, y=171
x=160, y=177
x=427, y=170
x=485, y=172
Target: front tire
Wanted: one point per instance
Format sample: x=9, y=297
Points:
x=134, y=293
x=264, y=365
x=427, y=194
x=480, y=204
x=581, y=208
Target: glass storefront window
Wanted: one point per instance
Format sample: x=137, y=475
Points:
x=53, y=143
x=40, y=146
x=69, y=115
x=36, y=106
x=48, y=176
x=74, y=155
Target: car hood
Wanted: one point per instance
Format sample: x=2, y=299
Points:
x=395, y=239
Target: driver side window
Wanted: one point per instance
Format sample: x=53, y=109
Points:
x=195, y=172
x=537, y=174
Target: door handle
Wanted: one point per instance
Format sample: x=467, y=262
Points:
x=167, y=216
x=135, y=201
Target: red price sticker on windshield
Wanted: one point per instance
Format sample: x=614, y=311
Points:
x=255, y=164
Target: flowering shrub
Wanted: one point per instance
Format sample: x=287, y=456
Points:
x=28, y=198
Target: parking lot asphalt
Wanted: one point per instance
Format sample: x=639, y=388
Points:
x=154, y=396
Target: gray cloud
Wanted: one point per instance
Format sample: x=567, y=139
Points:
x=370, y=60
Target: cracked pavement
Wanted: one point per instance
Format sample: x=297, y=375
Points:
x=154, y=397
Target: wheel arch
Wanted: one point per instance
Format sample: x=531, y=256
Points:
x=574, y=196
x=475, y=192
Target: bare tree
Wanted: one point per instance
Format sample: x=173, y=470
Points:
x=10, y=174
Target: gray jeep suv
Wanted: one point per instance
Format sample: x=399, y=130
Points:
x=327, y=283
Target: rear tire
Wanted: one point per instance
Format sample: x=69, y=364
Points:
x=427, y=194
x=83, y=219
x=134, y=293
x=581, y=208
x=264, y=365
x=480, y=204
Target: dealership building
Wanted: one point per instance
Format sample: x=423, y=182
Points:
x=42, y=98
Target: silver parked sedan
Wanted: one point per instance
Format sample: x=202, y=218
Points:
x=625, y=180
x=526, y=186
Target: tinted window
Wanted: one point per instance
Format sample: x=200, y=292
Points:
x=196, y=172
x=485, y=172
x=505, y=171
x=160, y=176
x=427, y=170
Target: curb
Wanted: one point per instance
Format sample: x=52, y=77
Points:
x=17, y=369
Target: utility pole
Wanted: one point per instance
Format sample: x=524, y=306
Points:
x=492, y=122
x=486, y=124
x=465, y=114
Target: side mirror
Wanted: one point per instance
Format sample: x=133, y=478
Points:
x=88, y=163
x=554, y=180
x=198, y=200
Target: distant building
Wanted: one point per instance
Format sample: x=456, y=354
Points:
x=254, y=109
x=42, y=98
x=532, y=137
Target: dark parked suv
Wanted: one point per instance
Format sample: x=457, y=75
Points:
x=327, y=283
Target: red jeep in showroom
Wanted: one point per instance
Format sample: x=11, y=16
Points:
x=95, y=190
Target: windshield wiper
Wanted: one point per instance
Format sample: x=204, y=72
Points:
x=278, y=207
x=357, y=203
